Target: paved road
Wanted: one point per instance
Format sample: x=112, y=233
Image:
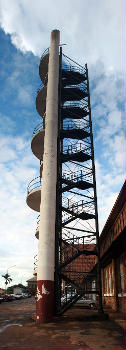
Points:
x=78, y=329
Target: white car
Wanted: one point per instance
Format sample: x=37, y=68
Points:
x=66, y=297
x=87, y=303
x=1, y=298
x=16, y=296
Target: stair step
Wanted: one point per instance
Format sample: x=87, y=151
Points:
x=82, y=215
x=67, y=306
x=79, y=156
x=79, y=134
x=68, y=221
x=78, y=183
x=74, y=112
x=73, y=94
x=80, y=252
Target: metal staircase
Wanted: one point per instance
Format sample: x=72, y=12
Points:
x=77, y=254
x=77, y=263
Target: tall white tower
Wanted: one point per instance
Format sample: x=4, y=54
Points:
x=46, y=250
x=65, y=193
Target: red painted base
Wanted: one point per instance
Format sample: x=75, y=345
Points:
x=45, y=301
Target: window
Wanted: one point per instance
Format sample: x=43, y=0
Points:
x=107, y=281
x=110, y=280
x=122, y=273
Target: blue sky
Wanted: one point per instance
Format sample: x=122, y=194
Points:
x=94, y=33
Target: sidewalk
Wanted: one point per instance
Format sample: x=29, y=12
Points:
x=77, y=329
x=117, y=317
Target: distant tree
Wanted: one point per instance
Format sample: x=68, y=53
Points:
x=7, y=278
x=20, y=285
x=10, y=290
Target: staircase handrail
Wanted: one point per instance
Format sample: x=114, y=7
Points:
x=33, y=184
x=38, y=127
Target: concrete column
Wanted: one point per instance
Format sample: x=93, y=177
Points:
x=46, y=250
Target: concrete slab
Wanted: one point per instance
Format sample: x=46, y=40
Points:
x=78, y=329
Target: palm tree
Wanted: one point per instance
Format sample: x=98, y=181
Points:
x=7, y=278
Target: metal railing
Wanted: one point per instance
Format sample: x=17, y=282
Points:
x=45, y=77
x=38, y=127
x=69, y=60
x=70, y=149
x=79, y=206
x=70, y=65
x=80, y=106
x=75, y=239
x=35, y=183
x=78, y=125
x=44, y=53
x=38, y=221
x=82, y=278
x=41, y=86
x=80, y=175
x=73, y=84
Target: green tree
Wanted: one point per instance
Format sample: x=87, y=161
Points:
x=10, y=290
x=7, y=278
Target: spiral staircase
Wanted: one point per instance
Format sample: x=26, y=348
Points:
x=77, y=262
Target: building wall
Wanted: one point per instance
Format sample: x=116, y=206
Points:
x=113, y=255
x=109, y=285
x=114, y=231
x=2, y=290
x=121, y=281
x=114, y=283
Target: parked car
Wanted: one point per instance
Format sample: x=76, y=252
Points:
x=66, y=297
x=7, y=297
x=17, y=296
x=87, y=303
x=1, y=298
x=26, y=295
x=29, y=295
x=10, y=297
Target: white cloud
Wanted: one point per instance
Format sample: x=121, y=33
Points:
x=20, y=268
x=109, y=184
x=24, y=96
x=108, y=101
x=110, y=125
x=18, y=221
x=118, y=150
x=93, y=32
x=92, y=29
x=6, y=121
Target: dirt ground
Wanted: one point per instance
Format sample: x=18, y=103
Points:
x=78, y=329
